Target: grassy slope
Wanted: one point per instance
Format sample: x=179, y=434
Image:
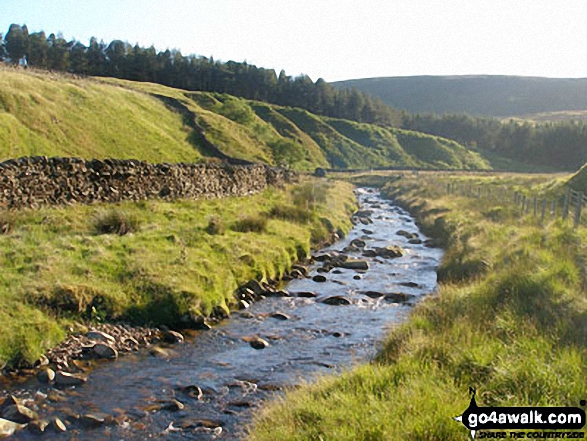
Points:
x=510, y=320
x=43, y=114
x=55, y=266
x=578, y=181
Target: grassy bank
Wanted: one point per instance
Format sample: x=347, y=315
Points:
x=150, y=262
x=510, y=320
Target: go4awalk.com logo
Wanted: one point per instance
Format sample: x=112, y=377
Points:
x=565, y=420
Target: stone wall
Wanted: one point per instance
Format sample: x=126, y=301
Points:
x=35, y=181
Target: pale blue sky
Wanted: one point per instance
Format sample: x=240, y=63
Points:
x=336, y=39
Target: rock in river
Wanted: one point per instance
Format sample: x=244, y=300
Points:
x=172, y=337
x=102, y=350
x=101, y=336
x=46, y=375
x=280, y=316
x=319, y=278
x=258, y=343
x=336, y=301
x=67, y=379
x=7, y=428
x=19, y=414
x=356, y=264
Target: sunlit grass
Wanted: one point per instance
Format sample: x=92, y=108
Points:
x=58, y=263
x=509, y=320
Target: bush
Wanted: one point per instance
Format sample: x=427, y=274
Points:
x=291, y=213
x=309, y=195
x=116, y=222
x=250, y=224
x=6, y=222
x=215, y=226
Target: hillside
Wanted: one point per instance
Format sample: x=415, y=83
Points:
x=482, y=95
x=578, y=181
x=56, y=115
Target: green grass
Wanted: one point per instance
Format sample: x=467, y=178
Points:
x=149, y=262
x=54, y=115
x=59, y=115
x=510, y=320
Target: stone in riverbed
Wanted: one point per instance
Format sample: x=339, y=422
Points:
x=172, y=405
x=192, y=391
x=280, y=316
x=358, y=243
x=305, y=294
x=301, y=269
x=19, y=414
x=101, y=336
x=398, y=297
x=336, y=301
x=390, y=252
x=172, y=337
x=91, y=421
x=67, y=379
x=258, y=343
x=102, y=350
x=57, y=426
x=46, y=375
x=373, y=294
x=37, y=427
x=355, y=264
x=369, y=253
x=7, y=428
x=319, y=278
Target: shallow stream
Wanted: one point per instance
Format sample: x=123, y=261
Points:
x=311, y=338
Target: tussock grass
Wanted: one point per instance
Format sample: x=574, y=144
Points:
x=115, y=222
x=510, y=320
x=57, y=270
x=251, y=224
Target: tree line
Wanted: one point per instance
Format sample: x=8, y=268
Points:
x=561, y=145
x=119, y=59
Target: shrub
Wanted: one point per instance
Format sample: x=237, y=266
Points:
x=253, y=224
x=116, y=222
x=215, y=226
x=309, y=195
x=291, y=213
x=6, y=222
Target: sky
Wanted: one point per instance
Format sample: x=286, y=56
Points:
x=336, y=39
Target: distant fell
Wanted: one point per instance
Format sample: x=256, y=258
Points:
x=480, y=95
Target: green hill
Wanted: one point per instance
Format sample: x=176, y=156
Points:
x=481, y=95
x=60, y=115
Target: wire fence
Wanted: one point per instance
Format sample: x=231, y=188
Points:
x=568, y=207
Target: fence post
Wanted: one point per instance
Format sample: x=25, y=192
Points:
x=553, y=210
x=543, y=211
x=578, y=204
x=566, y=204
x=535, y=206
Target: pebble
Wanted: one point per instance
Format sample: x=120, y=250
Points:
x=258, y=343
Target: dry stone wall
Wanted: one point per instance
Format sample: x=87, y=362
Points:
x=35, y=181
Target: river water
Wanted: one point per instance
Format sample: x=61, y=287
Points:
x=136, y=392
